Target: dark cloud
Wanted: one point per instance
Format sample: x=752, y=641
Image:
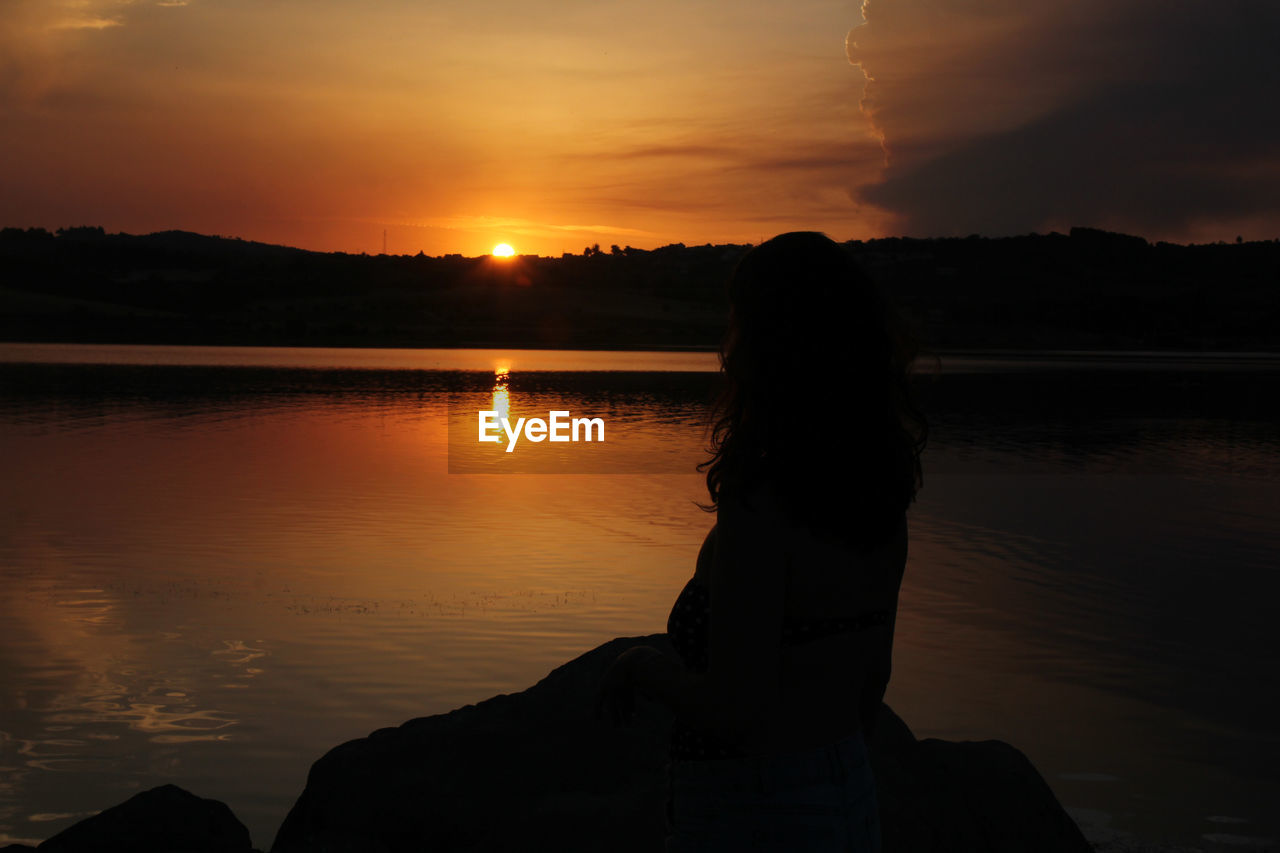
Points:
x=825, y=157
x=1171, y=128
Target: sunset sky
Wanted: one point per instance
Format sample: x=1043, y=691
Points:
x=553, y=125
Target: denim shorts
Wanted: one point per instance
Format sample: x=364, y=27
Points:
x=822, y=799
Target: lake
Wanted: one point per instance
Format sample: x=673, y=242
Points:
x=218, y=563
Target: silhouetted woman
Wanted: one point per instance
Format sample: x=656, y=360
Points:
x=784, y=633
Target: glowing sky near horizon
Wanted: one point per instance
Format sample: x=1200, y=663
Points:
x=454, y=126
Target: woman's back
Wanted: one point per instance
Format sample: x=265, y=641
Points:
x=835, y=620
x=832, y=684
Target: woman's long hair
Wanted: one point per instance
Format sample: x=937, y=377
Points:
x=817, y=402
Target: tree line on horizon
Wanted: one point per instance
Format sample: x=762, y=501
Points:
x=1089, y=289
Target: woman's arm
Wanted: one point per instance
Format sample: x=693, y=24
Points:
x=748, y=596
x=739, y=696
x=872, y=696
x=656, y=675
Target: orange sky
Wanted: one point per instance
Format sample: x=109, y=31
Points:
x=553, y=125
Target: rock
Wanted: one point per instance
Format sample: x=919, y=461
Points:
x=515, y=772
x=937, y=795
x=162, y=820
x=535, y=770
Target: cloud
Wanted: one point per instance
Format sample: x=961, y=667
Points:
x=91, y=23
x=83, y=14
x=39, y=40
x=526, y=227
x=1152, y=117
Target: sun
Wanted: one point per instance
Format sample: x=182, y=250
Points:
x=503, y=250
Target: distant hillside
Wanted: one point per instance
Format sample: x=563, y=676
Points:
x=1087, y=290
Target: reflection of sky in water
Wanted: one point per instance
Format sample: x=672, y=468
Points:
x=211, y=577
x=93, y=690
x=100, y=675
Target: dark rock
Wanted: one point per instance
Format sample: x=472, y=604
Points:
x=515, y=772
x=163, y=820
x=937, y=795
x=535, y=770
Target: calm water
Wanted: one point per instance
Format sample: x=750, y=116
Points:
x=216, y=564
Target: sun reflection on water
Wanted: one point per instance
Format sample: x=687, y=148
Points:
x=501, y=395
x=501, y=391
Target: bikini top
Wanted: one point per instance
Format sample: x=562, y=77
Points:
x=688, y=626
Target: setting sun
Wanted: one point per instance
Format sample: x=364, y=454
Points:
x=502, y=250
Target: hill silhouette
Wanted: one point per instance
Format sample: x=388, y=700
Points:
x=1089, y=289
